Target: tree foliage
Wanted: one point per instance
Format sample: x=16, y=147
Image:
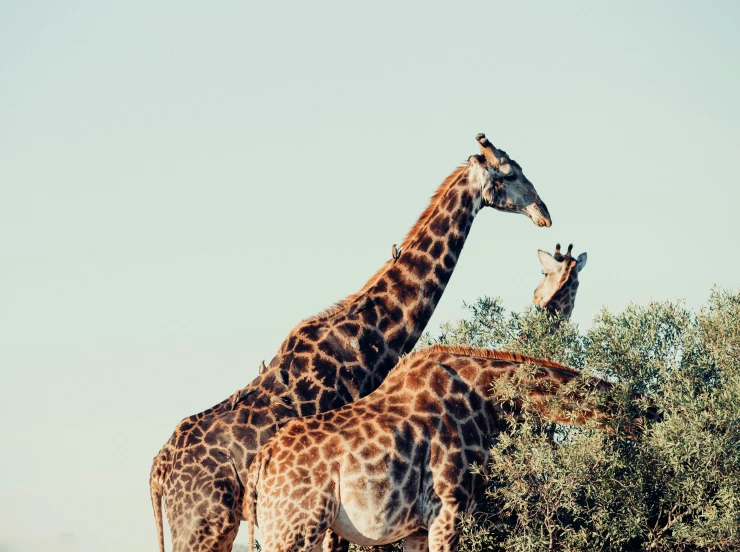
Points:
x=672, y=485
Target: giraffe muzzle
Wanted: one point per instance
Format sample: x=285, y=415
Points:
x=539, y=214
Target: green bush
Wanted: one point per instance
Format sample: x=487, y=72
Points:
x=674, y=485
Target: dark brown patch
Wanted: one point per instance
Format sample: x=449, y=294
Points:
x=440, y=225
x=427, y=403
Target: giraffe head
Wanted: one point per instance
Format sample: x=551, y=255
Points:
x=557, y=291
x=504, y=185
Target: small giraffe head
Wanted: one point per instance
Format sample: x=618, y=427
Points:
x=557, y=291
x=504, y=185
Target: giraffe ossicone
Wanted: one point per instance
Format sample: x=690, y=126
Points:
x=331, y=359
x=397, y=463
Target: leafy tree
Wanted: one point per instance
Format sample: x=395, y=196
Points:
x=673, y=485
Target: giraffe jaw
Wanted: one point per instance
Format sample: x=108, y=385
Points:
x=546, y=222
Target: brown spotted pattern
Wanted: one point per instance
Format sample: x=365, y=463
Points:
x=397, y=463
x=329, y=360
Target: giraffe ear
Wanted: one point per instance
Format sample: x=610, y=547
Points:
x=581, y=261
x=548, y=261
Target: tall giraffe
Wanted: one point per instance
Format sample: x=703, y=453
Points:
x=397, y=463
x=329, y=360
x=557, y=291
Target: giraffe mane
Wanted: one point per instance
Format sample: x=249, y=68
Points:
x=435, y=199
x=478, y=352
x=412, y=233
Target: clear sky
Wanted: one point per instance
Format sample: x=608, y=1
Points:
x=182, y=182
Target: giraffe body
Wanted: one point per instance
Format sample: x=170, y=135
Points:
x=397, y=463
x=329, y=360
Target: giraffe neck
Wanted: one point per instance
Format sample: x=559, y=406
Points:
x=411, y=286
x=563, y=301
x=446, y=371
x=349, y=350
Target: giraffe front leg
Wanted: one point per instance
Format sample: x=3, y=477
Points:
x=443, y=532
x=311, y=532
x=204, y=518
x=294, y=537
x=334, y=543
x=416, y=544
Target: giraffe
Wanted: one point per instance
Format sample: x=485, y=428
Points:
x=397, y=463
x=557, y=291
x=331, y=359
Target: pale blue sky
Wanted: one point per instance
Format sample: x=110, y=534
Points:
x=180, y=183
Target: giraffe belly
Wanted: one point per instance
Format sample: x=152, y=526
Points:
x=366, y=528
x=370, y=512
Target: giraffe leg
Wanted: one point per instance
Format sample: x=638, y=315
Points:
x=226, y=543
x=212, y=533
x=443, y=532
x=334, y=543
x=298, y=527
x=298, y=538
x=205, y=519
x=416, y=544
